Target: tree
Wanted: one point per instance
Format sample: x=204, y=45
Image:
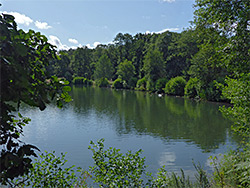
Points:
x=81, y=62
x=126, y=71
x=61, y=67
x=154, y=65
x=238, y=91
x=103, y=68
x=231, y=19
x=124, y=43
x=180, y=51
x=24, y=57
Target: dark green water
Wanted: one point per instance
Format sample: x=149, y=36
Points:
x=171, y=131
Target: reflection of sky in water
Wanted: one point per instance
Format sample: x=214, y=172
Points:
x=167, y=159
x=71, y=130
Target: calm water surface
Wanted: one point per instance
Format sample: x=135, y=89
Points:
x=171, y=131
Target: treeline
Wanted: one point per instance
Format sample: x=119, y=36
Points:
x=173, y=63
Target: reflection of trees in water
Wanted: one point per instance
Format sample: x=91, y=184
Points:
x=167, y=117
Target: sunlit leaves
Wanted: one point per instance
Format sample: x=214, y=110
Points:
x=24, y=79
x=114, y=169
x=51, y=171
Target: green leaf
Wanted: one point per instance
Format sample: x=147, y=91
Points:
x=66, y=88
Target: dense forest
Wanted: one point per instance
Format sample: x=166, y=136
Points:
x=210, y=60
x=189, y=62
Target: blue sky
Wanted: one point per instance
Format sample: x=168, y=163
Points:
x=72, y=23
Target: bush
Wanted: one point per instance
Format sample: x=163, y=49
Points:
x=160, y=84
x=103, y=82
x=132, y=82
x=211, y=92
x=118, y=84
x=141, y=84
x=78, y=80
x=150, y=85
x=233, y=170
x=113, y=169
x=191, y=89
x=50, y=171
x=87, y=82
x=175, y=86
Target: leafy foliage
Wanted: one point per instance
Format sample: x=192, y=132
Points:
x=78, y=80
x=175, y=86
x=24, y=79
x=50, y=171
x=113, y=169
x=160, y=84
x=191, y=88
x=154, y=66
x=118, y=84
x=104, y=68
x=237, y=91
x=82, y=81
x=233, y=170
x=230, y=19
x=103, y=82
x=141, y=84
x=126, y=71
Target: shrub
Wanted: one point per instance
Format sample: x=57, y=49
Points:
x=113, y=169
x=191, y=89
x=132, y=82
x=78, y=80
x=150, y=85
x=82, y=81
x=211, y=92
x=160, y=84
x=87, y=82
x=50, y=171
x=175, y=86
x=103, y=82
x=141, y=84
x=118, y=84
x=233, y=170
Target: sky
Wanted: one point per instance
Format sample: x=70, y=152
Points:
x=75, y=23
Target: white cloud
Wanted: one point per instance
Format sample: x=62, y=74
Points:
x=162, y=31
x=54, y=40
x=42, y=25
x=93, y=46
x=167, y=29
x=20, y=18
x=167, y=159
x=168, y=1
x=74, y=41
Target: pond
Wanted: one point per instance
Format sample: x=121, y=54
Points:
x=171, y=131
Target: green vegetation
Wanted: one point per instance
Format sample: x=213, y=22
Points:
x=102, y=82
x=192, y=88
x=160, y=85
x=118, y=84
x=82, y=81
x=175, y=86
x=113, y=169
x=24, y=59
x=104, y=68
x=50, y=171
x=141, y=84
x=233, y=170
x=126, y=72
x=213, y=56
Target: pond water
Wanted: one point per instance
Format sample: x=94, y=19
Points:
x=171, y=131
